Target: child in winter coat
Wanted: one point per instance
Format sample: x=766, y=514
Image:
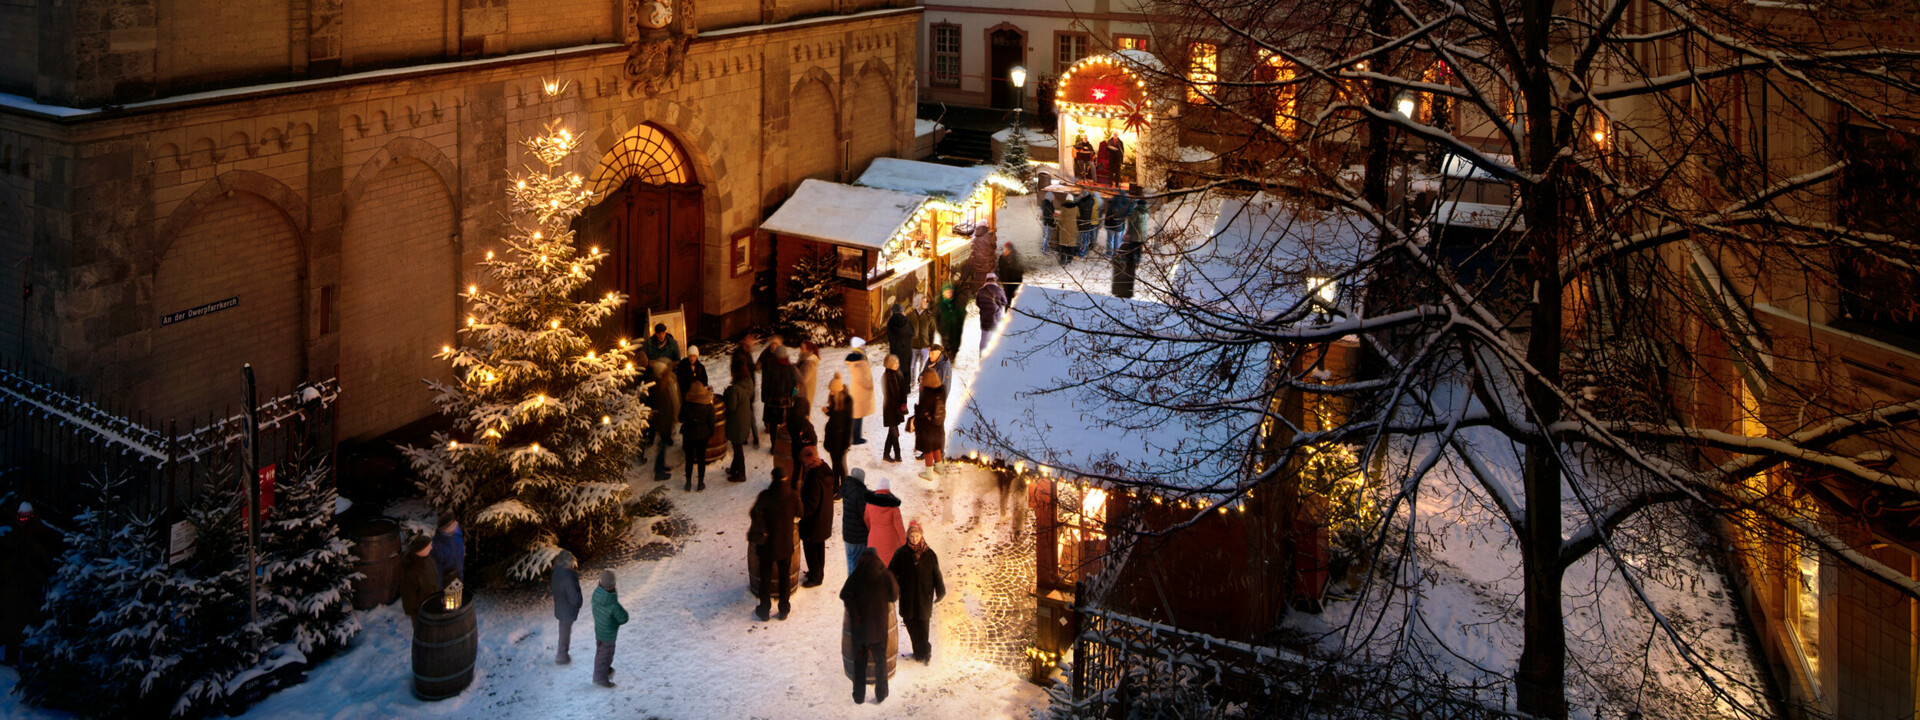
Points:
x=885, y=534
x=566, y=602
x=917, y=570
x=893, y=407
x=608, y=616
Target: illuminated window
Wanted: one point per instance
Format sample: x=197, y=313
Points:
x=644, y=153
x=1203, y=70
x=1130, y=42
x=946, y=55
x=1081, y=538
x=1069, y=48
x=1280, y=100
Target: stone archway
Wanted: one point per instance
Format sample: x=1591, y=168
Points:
x=650, y=219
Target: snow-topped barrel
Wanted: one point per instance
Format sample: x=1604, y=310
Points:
x=891, y=656
x=444, y=645
x=717, y=447
x=376, y=552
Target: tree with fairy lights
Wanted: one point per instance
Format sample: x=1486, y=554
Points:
x=544, y=422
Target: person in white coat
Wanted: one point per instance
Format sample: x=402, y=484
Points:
x=860, y=386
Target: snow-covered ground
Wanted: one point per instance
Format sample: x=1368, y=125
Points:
x=693, y=648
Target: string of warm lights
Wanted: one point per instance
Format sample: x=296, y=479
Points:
x=1018, y=469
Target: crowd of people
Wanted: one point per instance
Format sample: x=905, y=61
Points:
x=893, y=576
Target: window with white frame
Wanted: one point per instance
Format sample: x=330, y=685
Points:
x=945, y=42
x=1070, y=48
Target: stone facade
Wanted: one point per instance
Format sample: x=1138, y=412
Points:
x=345, y=212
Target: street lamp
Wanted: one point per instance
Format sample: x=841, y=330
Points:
x=1019, y=76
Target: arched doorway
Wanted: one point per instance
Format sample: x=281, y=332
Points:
x=1009, y=49
x=651, y=221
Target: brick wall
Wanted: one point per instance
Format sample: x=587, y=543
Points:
x=870, y=109
x=212, y=42
x=538, y=24
x=19, y=46
x=236, y=246
x=397, y=251
x=813, y=144
x=389, y=32
x=1872, y=646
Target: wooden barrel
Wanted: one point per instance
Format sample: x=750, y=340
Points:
x=376, y=551
x=717, y=446
x=893, y=645
x=444, y=645
x=793, y=572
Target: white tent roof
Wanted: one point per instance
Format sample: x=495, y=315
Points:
x=1259, y=254
x=1032, y=395
x=924, y=178
x=843, y=214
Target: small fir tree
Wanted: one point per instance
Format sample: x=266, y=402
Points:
x=209, y=601
x=1015, y=159
x=815, y=312
x=305, y=565
x=544, y=422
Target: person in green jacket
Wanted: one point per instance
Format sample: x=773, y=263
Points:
x=608, y=616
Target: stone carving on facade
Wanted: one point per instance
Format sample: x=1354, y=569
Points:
x=657, y=35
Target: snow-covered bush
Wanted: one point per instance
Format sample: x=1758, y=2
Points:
x=544, y=422
x=815, y=311
x=1015, y=160
x=306, y=566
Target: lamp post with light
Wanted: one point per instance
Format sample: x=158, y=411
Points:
x=1019, y=76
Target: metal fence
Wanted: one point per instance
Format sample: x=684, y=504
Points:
x=52, y=441
x=1121, y=663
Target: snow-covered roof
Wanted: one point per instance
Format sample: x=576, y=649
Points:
x=1477, y=215
x=925, y=178
x=843, y=214
x=1261, y=251
x=1032, y=394
x=1456, y=166
x=1034, y=139
x=923, y=127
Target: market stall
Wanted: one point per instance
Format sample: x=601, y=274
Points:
x=1114, y=126
x=884, y=240
x=958, y=200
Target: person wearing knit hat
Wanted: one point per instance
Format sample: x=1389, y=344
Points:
x=696, y=429
x=566, y=602
x=839, y=434
x=855, y=498
x=690, y=370
x=608, y=616
x=917, y=570
x=859, y=387
x=929, y=421
x=885, y=532
x=419, y=579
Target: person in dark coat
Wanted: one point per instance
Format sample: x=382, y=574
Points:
x=739, y=412
x=742, y=367
x=661, y=345
x=926, y=330
x=868, y=591
x=854, y=497
x=566, y=602
x=450, y=550
x=917, y=570
x=893, y=407
x=1012, y=270
x=818, y=487
x=839, y=433
x=772, y=518
x=29, y=553
x=608, y=616
x=992, y=300
x=1126, y=265
x=664, y=400
x=952, y=317
x=696, y=428
x=942, y=364
x=929, y=421
x=777, y=380
x=900, y=335
x=690, y=370
x=419, y=579
x=1089, y=219
x=1114, y=221
x=800, y=427
x=1044, y=198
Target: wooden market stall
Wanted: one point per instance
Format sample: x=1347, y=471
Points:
x=958, y=198
x=1115, y=127
x=882, y=238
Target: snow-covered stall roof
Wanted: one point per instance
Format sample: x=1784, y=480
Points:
x=843, y=214
x=1477, y=215
x=955, y=184
x=1260, y=253
x=1035, y=393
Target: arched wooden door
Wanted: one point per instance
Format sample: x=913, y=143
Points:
x=651, y=225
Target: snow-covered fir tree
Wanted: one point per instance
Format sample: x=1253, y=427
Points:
x=209, y=600
x=1015, y=158
x=78, y=659
x=544, y=422
x=305, y=565
x=815, y=312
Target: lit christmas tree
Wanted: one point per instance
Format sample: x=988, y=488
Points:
x=544, y=422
